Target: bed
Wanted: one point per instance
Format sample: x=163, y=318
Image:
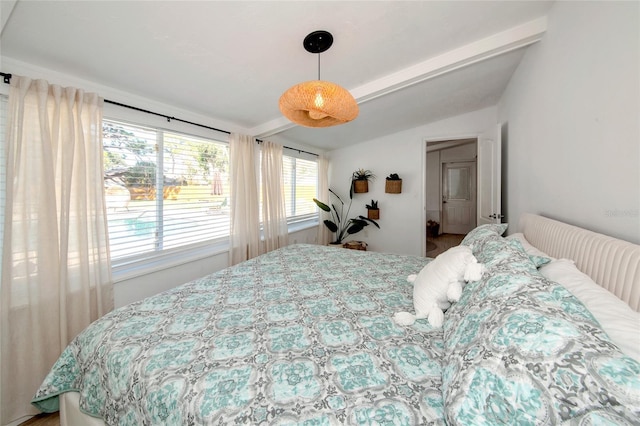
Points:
x=304, y=335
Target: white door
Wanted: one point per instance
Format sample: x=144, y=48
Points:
x=458, y=197
x=489, y=177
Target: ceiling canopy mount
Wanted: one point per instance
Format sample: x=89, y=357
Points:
x=318, y=41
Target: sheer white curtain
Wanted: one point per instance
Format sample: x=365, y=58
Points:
x=56, y=272
x=274, y=215
x=245, y=221
x=324, y=235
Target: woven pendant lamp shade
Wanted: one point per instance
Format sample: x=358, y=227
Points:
x=318, y=103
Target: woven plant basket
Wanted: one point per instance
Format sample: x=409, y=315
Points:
x=360, y=186
x=355, y=245
x=393, y=186
x=373, y=214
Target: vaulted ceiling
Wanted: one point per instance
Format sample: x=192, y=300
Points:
x=407, y=63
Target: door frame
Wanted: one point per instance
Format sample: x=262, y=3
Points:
x=490, y=177
x=455, y=139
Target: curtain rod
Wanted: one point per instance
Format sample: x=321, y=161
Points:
x=169, y=118
x=7, y=79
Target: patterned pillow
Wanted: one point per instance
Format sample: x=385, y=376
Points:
x=528, y=247
x=477, y=236
x=520, y=349
x=536, y=259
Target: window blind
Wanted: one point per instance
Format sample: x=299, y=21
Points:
x=301, y=187
x=164, y=190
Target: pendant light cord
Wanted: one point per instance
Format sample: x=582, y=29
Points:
x=318, y=66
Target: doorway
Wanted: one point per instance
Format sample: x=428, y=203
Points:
x=450, y=192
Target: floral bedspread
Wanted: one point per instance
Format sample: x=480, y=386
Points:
x=301, y=335
x=522, y=350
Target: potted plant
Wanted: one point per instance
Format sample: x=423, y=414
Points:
x=360, y=180
x=393, y=184
x=433, y=228
x=373, y=212
x=339, y=224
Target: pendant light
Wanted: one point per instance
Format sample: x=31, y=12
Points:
x=318, y=103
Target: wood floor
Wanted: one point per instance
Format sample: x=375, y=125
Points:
x=43, y=420
x=442, y=243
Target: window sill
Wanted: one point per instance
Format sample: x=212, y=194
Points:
x=302, y=225
x=135, y=268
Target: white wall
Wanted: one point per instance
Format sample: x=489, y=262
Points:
x=572, y=116
x=12, y=66
x=402, y=216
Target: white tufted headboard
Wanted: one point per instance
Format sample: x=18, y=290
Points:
x=612, y=263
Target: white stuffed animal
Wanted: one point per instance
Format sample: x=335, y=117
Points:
x=439, y=283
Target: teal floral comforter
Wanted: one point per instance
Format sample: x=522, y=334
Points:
x=304, y=336
x=522, y=350
x=300, y=336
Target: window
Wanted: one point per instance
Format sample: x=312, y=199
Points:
x=164, y=190
x=300, y=178
x=300, y=188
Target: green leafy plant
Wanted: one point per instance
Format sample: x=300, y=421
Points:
x=362, y=174
x=372, y=206
x=339, y=224
x=393, y=176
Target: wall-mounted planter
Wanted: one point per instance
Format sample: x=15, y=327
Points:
x=373, y=214
x=360, y=179
x=360, y=186
x=393, y=186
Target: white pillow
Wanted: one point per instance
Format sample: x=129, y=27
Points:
x=618, y=320
x=528, y=248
